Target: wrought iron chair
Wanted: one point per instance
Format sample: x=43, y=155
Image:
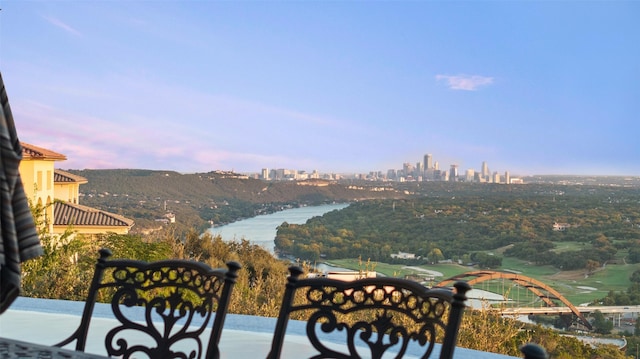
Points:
x=376, y=316
x=166, y=305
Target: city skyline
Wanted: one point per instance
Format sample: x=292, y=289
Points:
x=426, y=170
x=345, y=87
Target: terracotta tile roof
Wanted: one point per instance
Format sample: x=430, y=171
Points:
x=39, y=153
x=64, y=176
x=66, y=213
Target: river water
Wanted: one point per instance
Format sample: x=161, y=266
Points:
x=261, y=230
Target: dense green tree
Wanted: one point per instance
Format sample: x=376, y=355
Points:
x=634, y=254
x=601, y=324
x=435, y=255
x=133, y=247
x=62, y=271
x=629, y=297
x=485, y=260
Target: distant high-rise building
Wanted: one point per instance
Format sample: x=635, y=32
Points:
x=436, y=166
x=453, y=173
x=507, y=177
x=430, y=174
x=485, y=170
x=469, y=175
x=496, y=177
x=428, y=162
x=407, y=169
x=280, y=174
x=265, y=174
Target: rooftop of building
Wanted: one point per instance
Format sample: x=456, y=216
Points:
x=67, y=213
x=30, y=151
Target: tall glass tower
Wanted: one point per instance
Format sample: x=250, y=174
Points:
x=453, y=173
x=428, y=162
x=485, y=170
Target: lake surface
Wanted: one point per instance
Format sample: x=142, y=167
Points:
x=261, y=230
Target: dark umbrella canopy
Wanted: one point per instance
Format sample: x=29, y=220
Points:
x=534, y=351
x=18, y=235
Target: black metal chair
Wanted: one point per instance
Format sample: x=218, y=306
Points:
x=165, y=305
x=372, y=315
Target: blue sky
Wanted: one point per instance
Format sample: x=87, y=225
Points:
x=540, y=87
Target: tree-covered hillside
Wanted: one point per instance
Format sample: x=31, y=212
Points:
x=459, y=222
x=219, y=197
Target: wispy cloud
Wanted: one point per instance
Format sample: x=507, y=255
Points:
x=465, y=82
x=58, y=23
x=212, y=130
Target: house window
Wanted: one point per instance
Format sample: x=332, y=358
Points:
x=39, y=179
x=49, y=180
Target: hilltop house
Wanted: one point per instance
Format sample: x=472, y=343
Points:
x=403, y=255
x=59, y=192
x=560, y=226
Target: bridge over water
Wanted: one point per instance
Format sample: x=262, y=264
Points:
x=550, y=301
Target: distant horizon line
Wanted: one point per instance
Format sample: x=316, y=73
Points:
x=337, y=172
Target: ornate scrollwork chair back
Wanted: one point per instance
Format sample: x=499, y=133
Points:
x=162, y=308
x=371, y=317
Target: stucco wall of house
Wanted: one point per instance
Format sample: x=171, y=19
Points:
x=68, y=192
x=37, y=179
